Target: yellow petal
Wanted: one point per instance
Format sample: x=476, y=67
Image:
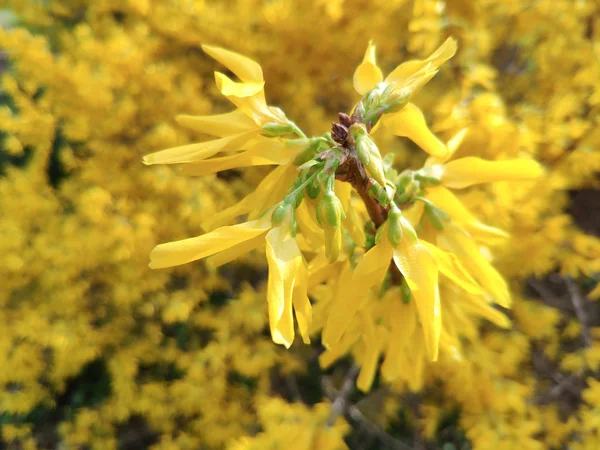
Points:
x=482, y=308
x=413, y=213
x=353, y=225
x=421, y=272
x=403, y=321
x=285, y=264
x=416, y=365
x=451, y=267
x=243, y=67
x=235, y=252
x=409, y=122
x=449, y=203
x=367, y=74
x=465, y=172
x=228, y=87
x=373, y=340
x=331, y=355
x=220, y=125
x=270, y=190
x=192, y=249
x=267, y=194
x=264, y=153
x=301, y=303
x=308, y=226
x=200, y=150
x=417, y=73
x=319, y=270
x=454, y=239
x=369, y=272
x=248, y=97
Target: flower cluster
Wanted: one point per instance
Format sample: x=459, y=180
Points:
x=389, y=236
x=98, y=351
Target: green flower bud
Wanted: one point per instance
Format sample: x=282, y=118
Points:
x=330, y=214
x=394, y=225
x=369, y=155
x=436, y=216
x=329, y=210
x=404, y=180
x=313, y=189
x=427, y=179
x=279, y=213
x=396, y=101
x=383, y=194
x=388, y=91
x=275, y=129
x=363, y=152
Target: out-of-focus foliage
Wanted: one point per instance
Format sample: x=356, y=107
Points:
x=97, y=351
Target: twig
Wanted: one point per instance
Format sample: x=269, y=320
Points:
x=356, y=174
x=341, y=398
x=342, y=406
x=546, y=294
x=387, y=439
x=580, y=310
x=564, y=385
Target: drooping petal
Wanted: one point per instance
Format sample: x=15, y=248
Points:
x=248, y=97
x=267, y=194
x=454, y=239
x=301, y=303
x=243, y=67
x=200, y=150
x=451, y=267
x=417, y=73
x=369, y=272
x=465, y=172
x=449, y=203
x=374, y=339
x=403, y=322
x=319, y=270
x=263, y=153
x=421, y=272
x=270, y=190
x=308, y=226
x=285, y=264
x=482, y=308
x=235, y=252
x=220, y=125
x=367, y=74
x=353, y=225
x=409, y=122
x=331, y=355
x=453, y=144
x=192, y=249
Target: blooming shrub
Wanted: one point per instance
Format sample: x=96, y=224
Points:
x=426, y=257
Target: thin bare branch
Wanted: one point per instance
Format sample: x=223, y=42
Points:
x=580, y=310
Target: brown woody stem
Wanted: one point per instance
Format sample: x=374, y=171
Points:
x=354, y=172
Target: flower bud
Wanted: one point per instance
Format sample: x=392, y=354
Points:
x=279, y=213
x=383, y=194
x=396, y=101
x=427, y=178
x=275, y=129
x=436, y=216
x=394, y=225
x=330, y=214
x=330, y=211
x=369, y=155
x=313, y=189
